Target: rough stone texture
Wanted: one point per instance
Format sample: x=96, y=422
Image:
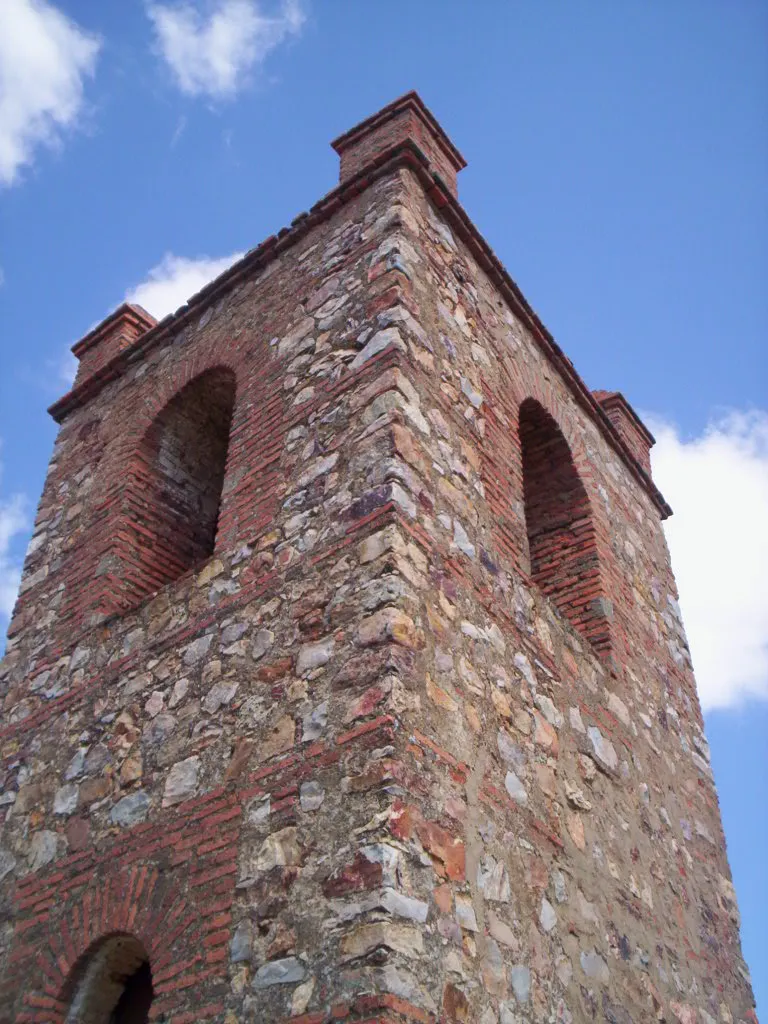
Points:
x=401, y=734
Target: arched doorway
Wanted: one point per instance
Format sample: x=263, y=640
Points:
x=111, y=984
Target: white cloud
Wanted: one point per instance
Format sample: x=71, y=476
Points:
x=167, y=287
x=717, y=485
x=44, y=59
x=60, y=372
x=13, y=520
x=212, y=54
x=176, y=279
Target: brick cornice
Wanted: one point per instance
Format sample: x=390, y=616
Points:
x=408, y=155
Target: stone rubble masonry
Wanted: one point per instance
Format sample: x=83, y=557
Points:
x=385, y=748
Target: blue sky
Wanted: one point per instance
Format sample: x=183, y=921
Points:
x=618, y=161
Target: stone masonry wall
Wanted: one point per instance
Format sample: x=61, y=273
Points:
x=357, y=766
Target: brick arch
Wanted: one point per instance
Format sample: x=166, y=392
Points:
x=159, y=390
x=169, y=511
x=91, y=571
x=112, y=977
x=562, y=548
x=520, y=388
x=140, y=903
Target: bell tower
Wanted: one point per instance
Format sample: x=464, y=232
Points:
x=347, y=681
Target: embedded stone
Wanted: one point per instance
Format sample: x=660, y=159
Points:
x=404, y=906
x=262, y=642
x=297, y=339
x=43, y=847
x=314, y=655
x=465, y=914
x=182, y=781
x=547, y=915
x=97, y=759
x=604, y=750
x=398, y=937
x=545, y=777
x=132, y=768
x=509, y=750
x=314, y=723
x=440, y=697
x=76, y=766
x=318, y=468
x=240, y=944
x=388, y=624
x=381, y=340
x=461, y=540
x=594, y=966
x=194, y=653
x=179, y=692
x=492, y=967
x=574, y=717
x=7, y=863
x=159, y=729
x=587, y=767
x=377, y=544
x=501, y=931
x=523, y=666
x=280, y=738
x=520, y=980
x=548, y=709
x=576, y=798
x=515, y=788
x=65, y=800
x=92, y=790
x=501, y=702
x=619, y=708
x=155, y=703
x=544, y=735
x=288, y=971
x=233, y=633
x=311, y=796
x=219, y=695
x=130, y=810
x=576, y=831
x=281, y=849
x=561, y=892
x=493, y=880
x=447, y=848
x=475, y=398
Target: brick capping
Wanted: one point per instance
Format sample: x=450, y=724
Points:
x=632, y=429
x=611, y=399
x=406, y=117
x=408, y=155
x=127, y=314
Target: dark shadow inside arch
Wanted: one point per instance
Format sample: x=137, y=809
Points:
x=173, y=487
x=561, y=535
x=110, y=984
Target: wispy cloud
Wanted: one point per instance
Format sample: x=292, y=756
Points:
x=13, y=520
x=213, y=52
x=62, y=371
x=717, y=484
x=176, y=279
x=166, y=287
x=45, y=58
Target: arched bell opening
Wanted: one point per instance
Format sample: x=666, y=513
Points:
x=562, y=541
x=174, y=486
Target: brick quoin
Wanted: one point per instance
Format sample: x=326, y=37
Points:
x=346, y=636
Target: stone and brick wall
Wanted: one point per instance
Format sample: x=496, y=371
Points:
x=419, y=739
